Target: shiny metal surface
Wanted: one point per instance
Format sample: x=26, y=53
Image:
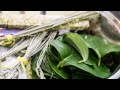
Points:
x=110, y=30
x=110, y=27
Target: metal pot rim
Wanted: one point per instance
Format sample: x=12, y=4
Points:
x=116, y=22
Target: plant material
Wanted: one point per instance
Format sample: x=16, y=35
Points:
x=33, y=46
x=8, y=42
x=69, y=57
x=100, y=46
x=58, y=23
x=50, y=37
x=59, y=71
x=16, y=48
x=79, y=44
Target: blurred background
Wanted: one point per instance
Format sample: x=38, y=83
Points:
x=37, y=12
x=116, y=13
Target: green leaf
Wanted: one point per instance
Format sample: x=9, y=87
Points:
x=51, y=51
x=79, y=44
x=100, y=45
x=60, y=71
x=64, y=50
x=60, y=38
x=49, y=76
x=71, y=58
x=47, y=69
x=34, y=61
x=33, y=66
x=89, y=66
x=34, y=76
x=80, y=74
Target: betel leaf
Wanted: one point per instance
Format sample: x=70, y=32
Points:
x=49, y=76
x=63, y=49
x=90, y=65
x=52, y=52
x=60, y=71
x=60, y=38
x=34, y=76
x=100, y=45
x=76, y=41
x=33, y=66
x=45, y=66
x=34, y=61
x=47, y=69
x=80, y=74
x=72, y=59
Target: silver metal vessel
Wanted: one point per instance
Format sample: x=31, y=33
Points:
x=110, y=30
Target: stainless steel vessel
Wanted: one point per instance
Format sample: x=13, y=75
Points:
x=110, y=30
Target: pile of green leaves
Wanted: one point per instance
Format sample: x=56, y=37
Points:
x=77, y=56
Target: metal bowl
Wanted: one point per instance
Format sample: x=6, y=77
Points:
x=110, y=30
